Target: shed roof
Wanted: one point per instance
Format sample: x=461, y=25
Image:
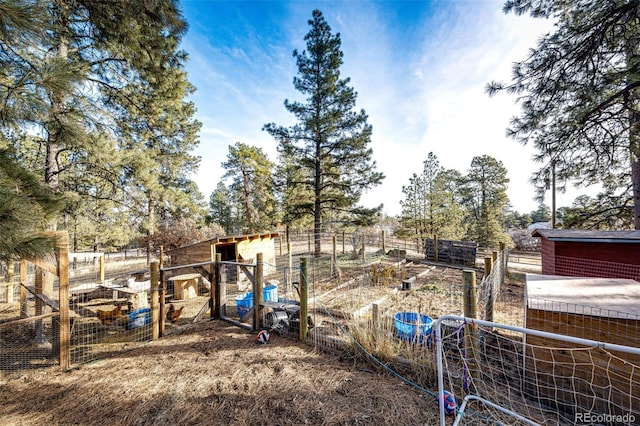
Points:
x=606, y=297
x=231, y=239
x=585, y=236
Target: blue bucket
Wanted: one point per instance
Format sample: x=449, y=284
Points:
x=139, y=318
x=413, y=327
x=270, y=294
x=244, y=302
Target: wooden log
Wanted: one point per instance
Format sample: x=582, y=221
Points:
x=304, y=296
x=257, y=292
x=64, y=341
x=154, y=269
x=101, y=270
x=10, y=287
x=221, y=290
x=488, y=267
x=470, y=298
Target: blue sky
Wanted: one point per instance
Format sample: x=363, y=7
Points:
x=419, y=68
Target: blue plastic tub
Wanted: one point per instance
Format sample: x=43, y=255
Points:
x=413, y=327
x=244, y=302
x=270, y=294
x=139, y=318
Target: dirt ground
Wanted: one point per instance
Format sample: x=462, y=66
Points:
x=214, y=373
x=217, y=373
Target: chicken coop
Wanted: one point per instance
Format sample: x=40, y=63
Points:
x=577, y=378
x=570, y=252
x=240, y=248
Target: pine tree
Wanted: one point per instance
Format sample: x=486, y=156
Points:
x=432, y=203
x=448, y=214
x=220, y=208
x=103, y=83
x=418, y=205
x=485, y=197
x=579, y=90
x=252, y=185
x=331, y=140
x=26, y=205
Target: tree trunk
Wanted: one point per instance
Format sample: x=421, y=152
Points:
x=53, y=127
x=317, y=205
x=634, y=137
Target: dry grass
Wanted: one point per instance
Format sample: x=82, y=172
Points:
x=217, y=373
x=214, y=373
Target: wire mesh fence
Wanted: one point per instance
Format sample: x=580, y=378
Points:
x=514, y=375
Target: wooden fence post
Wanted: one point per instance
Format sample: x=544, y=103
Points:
x=470, y=298
x=435, y=248
x=309, y=241
x=343, y=252
x=334, y=258
x=23, y=290
x=39, y=286
x=11, y=278
x=488, y=267
x=101, y=273
x=288, y=277
x=221, y=291
x=64, y=340
x=504, y=261
x=156, y=276
x=375, y=316
x=304, y=296
x=257, y=292
x=384, y=251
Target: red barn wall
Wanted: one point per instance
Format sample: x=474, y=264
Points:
x=591, y=259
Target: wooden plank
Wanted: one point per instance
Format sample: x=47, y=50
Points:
x=29, y=319
x=205, y=307
x=570, y=374
x=248, y=273
x=53, y=304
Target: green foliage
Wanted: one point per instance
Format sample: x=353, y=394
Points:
x=182, y=232
x=93, y=98
x=330, y=142
x=606, y=211
x=517, y=220
x=251, y=191
x=221, y=209
x=432, y=204
x=579, y=92
x=26, y=207
x=542, y=214
x=484, y=192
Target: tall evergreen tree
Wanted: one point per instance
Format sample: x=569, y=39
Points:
x=26, y=205
x=485, y=198
x=448, y=214
x=331, y=140
x=418, y=205
x=221, y=208
x=103, y=89
x=252, y=185
x=432, y=203
x=579, y=91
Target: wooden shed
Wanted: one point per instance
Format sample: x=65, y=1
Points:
x=573, y=377
x=239, y=248
x=581, y=253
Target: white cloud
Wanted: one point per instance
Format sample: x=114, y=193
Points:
x=421, y=83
